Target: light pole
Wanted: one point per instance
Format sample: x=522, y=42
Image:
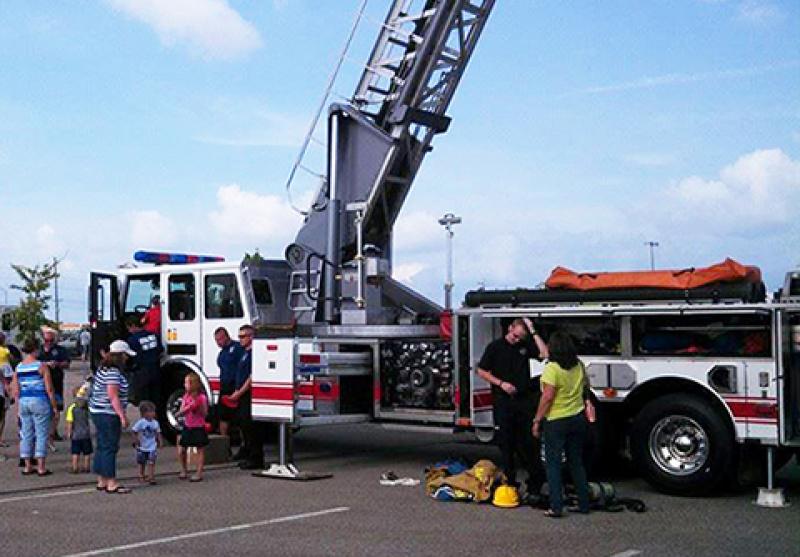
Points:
x=652, y=245
x=448, y=220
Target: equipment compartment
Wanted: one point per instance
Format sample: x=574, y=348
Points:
x=417, y=374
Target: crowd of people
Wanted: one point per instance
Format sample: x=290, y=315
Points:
x=556, y=407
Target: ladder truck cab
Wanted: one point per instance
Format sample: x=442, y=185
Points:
x=692, y=383
x=197, y=294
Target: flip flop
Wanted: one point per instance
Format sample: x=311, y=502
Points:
x=100, y=487
x=183, y=476
x=43, y=474
x=195, y=479
x=122, y=490
x=28, y=472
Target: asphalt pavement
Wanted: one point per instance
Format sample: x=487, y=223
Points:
x=232, y=512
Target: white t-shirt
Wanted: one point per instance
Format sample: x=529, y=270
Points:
x=147, y=431
x=85, y=338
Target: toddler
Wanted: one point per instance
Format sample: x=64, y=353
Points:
x=147, y=441
x=78, y=430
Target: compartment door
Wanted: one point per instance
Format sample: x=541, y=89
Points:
x=787, y=356
x=482, y=330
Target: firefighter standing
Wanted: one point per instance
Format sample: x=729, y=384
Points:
x=505, y=364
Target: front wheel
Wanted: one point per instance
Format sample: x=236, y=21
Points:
x=682, y=445
x=171, y=425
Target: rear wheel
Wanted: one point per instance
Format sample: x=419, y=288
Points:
x=682, y=445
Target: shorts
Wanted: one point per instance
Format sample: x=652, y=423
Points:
x=146, y=457
x=194, y=437
x=81, y=446
x=60, y=402
x=225, y=413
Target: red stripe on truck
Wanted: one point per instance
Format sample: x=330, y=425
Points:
x=753, y=409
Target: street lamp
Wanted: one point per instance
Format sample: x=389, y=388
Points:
x=448, y=220
x=652, y=246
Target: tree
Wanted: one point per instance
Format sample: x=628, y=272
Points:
x=29, y=317
x=254, y=259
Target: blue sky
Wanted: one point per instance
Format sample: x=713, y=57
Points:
x=580, y=131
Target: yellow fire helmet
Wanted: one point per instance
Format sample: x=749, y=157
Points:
x=506, y=496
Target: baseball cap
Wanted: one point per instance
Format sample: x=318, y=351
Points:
x=121, y=347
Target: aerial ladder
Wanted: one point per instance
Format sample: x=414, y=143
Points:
x=341, y=259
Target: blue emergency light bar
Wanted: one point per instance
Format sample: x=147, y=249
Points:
x=163, y=258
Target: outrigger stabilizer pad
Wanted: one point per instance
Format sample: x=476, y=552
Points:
x=771, y=498
x=289, y=472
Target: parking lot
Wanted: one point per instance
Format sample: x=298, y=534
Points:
x=232, y=512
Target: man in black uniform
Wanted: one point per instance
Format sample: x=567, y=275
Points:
x=505, y=364
x=146, y=363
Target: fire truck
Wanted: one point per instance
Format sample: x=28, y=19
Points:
x=341, y=341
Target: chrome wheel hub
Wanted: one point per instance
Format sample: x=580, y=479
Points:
x=679, y=445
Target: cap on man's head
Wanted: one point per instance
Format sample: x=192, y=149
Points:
x=120, y=347
x=48, y=329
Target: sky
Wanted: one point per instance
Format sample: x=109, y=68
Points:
x=581, y=131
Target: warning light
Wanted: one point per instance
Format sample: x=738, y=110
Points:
x=165, y=258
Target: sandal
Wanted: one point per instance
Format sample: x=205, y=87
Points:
x=100, y=487
x=28, y=472
x=119, y=489
x=43, y=474
x=550, y=513
x=183, y=476
x=196, y=479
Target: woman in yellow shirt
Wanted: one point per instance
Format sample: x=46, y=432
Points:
x=562, y=404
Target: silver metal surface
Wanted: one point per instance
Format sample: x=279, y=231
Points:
x=340, y=333
x=679, y=445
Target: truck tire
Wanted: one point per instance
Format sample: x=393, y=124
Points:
x=172, y=393
x=682, y=445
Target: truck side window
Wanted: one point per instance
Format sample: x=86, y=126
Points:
x=744, y=335
x=593, y=336
x=262, y=291
x=222, y=297
x=181, y=297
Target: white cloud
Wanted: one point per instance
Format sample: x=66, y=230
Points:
x=759, y=12
x=211, y=28
x=650, y=82
x=151, y=229
x=405, y=272
x=418, y=230
x=244, y=215
x=761, y=188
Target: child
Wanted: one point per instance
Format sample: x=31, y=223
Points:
x=194, y=408
x=147, y=442
x=78, y=430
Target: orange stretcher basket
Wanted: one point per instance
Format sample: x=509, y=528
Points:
x=683, y=279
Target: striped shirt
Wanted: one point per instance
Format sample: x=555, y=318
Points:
x=31, y=382
x=99, y=402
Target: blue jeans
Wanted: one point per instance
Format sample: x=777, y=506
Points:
x=109, y=428
x=35, y=415
x=566, y=434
